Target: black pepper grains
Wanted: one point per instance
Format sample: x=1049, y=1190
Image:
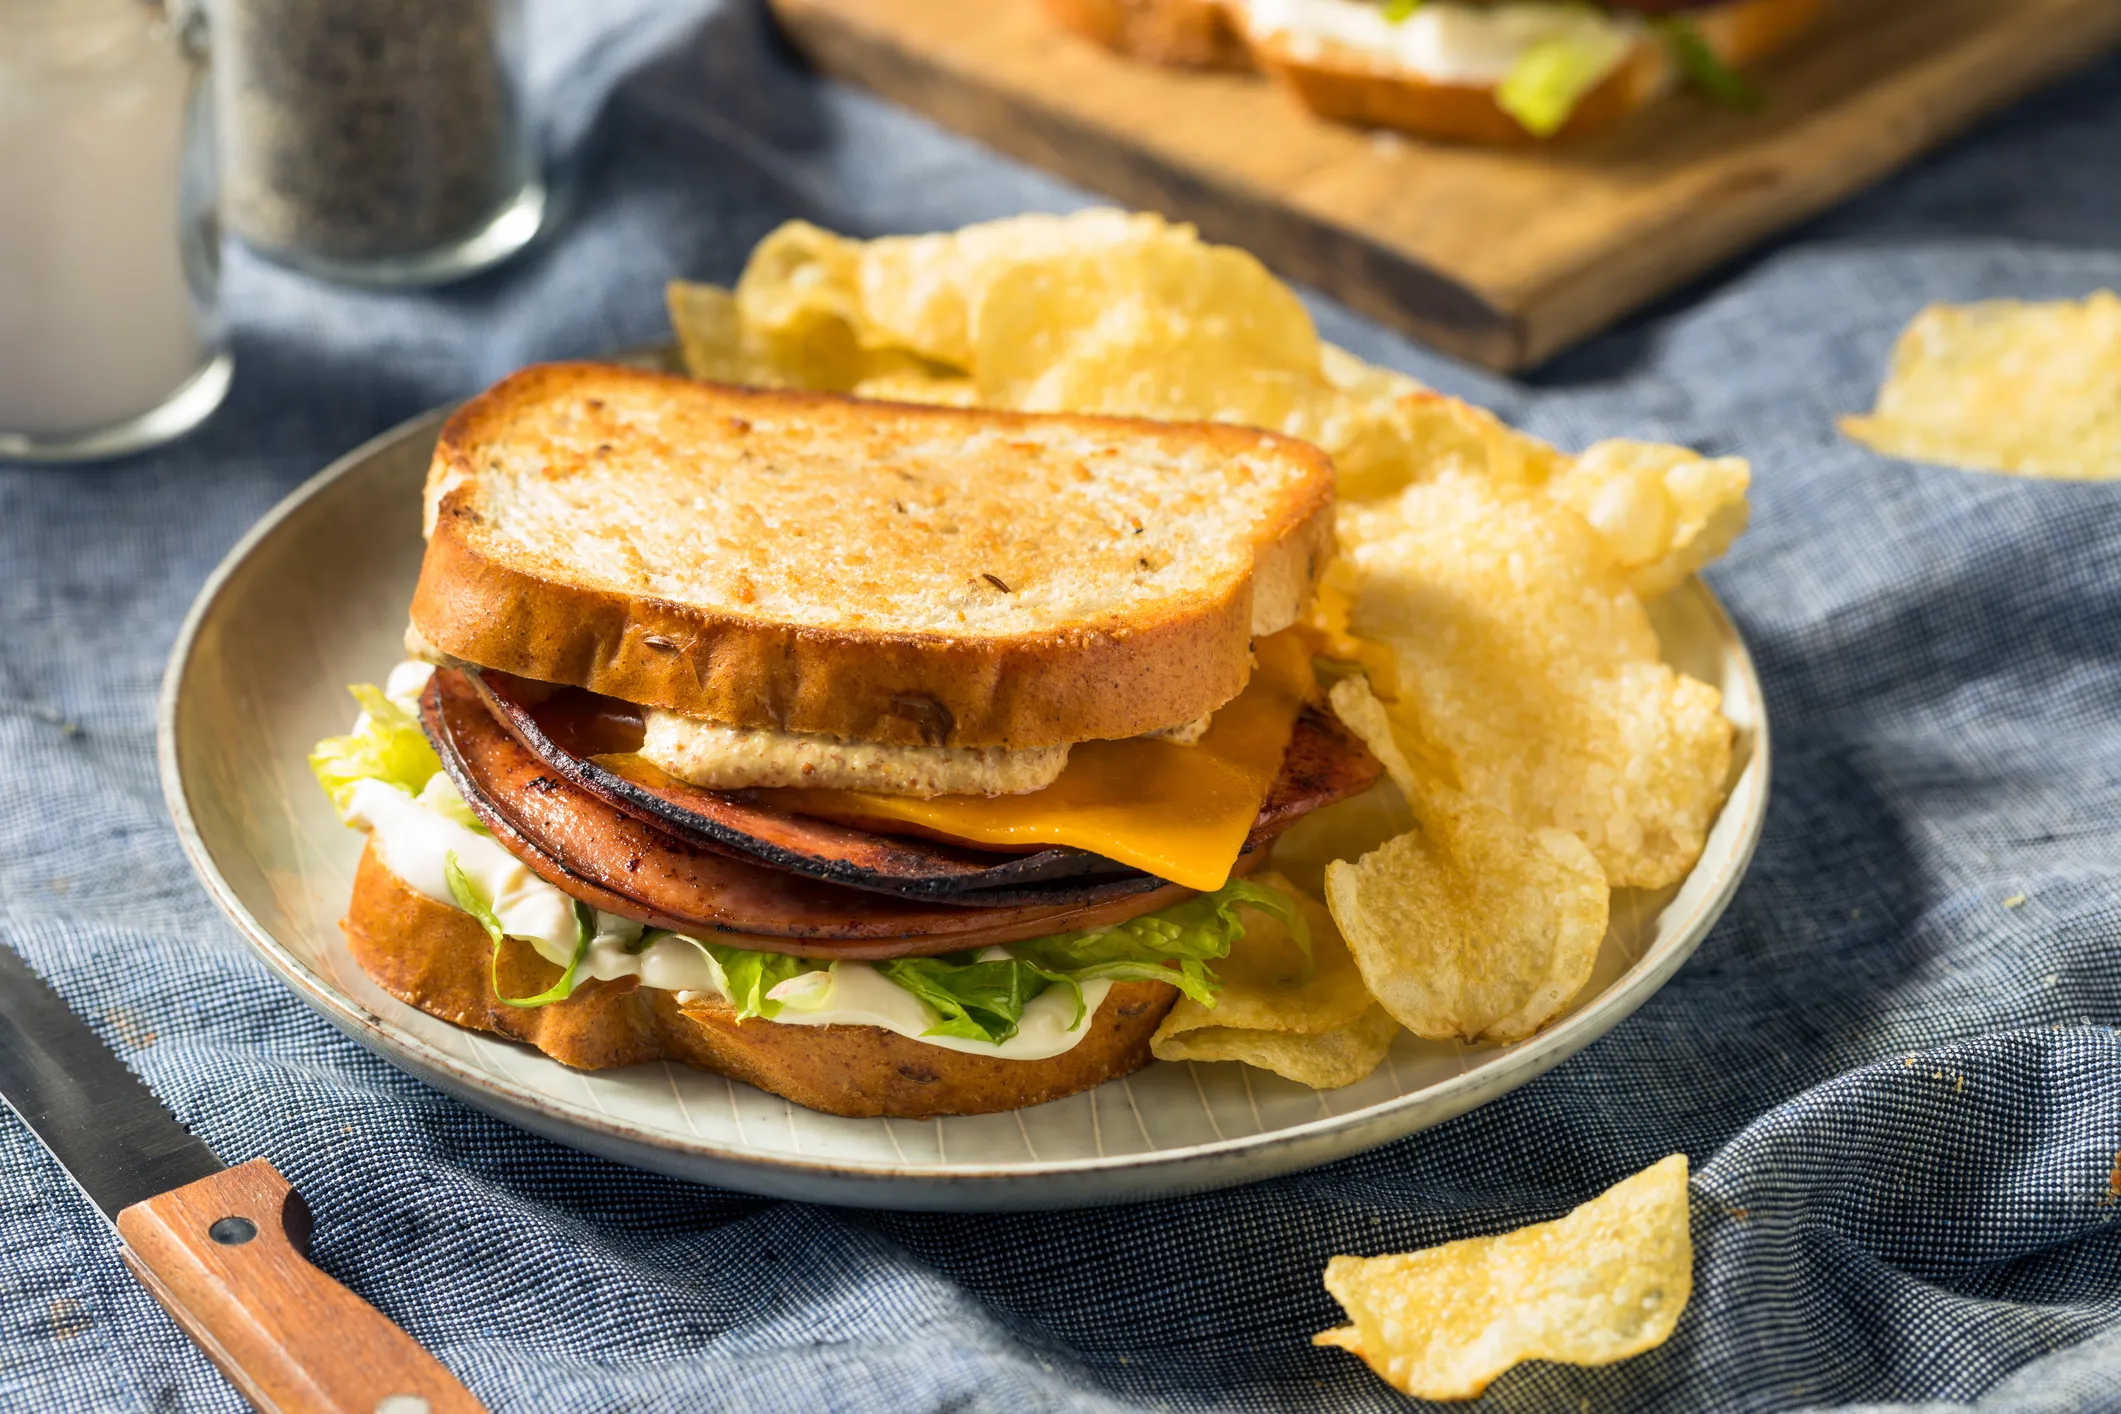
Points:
x=368, y=130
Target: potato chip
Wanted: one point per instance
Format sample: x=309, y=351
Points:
x=1269, y=983
x=1663, y=512
x=918, y=387
x=1530, y=671
x=710, y=331
x=1471, y=925
x=1347, y=829
x=1607, y=1282
x=2032, y=389
x=798, y=275
x=1323, y=1060
x=820, y=353
x=1306, y=1018
x=921, y=293
x=1167, y=327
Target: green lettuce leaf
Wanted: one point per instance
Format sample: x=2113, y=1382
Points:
x=467, y=896
x=984, y=999
x=748, y=976
x=1174, y=945
x=1549, y=81
x=981, y=1001
x=441, y=795
x=389, y=747
x=1400, y=11
x=1703, y=66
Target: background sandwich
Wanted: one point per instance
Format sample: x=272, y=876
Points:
x=897, y=760
x=1492, y=71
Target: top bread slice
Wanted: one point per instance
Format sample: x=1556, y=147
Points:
x=899, y=574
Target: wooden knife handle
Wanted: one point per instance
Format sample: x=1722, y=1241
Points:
x=226, y=1257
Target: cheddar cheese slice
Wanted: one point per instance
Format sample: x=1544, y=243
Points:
x=1178, y=812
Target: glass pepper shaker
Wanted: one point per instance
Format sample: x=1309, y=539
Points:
x=110, y=332
x=379, y=142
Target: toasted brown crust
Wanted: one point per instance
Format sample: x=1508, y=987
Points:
x=1080, y=681
x=1187, y=34
x=1341, y=86
x=436, y=958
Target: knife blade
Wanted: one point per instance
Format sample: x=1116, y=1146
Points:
x=223, y=1249
x=56, y=1074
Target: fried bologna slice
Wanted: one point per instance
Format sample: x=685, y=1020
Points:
x=1324, y=763
x=588, y=848
x=589, y=741
x=434, y=957
x=907, y=575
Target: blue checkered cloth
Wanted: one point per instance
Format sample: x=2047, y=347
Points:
x=1901, y=1093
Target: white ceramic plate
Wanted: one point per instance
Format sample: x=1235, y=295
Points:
x=314, y=598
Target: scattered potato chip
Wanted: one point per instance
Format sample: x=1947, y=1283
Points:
x=1307, y=1018
x=1471, y=925
x=1664, y=512
x=1607, y=1282
x=2001, y=385
x=1528, y=666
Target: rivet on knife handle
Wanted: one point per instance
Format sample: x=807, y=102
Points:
x=226, y=1258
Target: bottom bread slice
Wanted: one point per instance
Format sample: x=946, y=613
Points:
x=436, y=958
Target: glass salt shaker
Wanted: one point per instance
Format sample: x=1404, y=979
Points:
x=110, y=335
x=377, y=142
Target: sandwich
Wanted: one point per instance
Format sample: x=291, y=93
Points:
x=1487, y=71
x=898, y=760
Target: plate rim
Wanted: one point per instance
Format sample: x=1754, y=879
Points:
x=1162, y=1170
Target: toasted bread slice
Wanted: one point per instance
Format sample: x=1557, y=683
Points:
x=908, y=575
x=1350, y=85
x=436, y=958
x=1186, y=34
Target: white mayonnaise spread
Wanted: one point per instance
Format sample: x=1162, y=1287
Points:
x=415, y=843
x=406, y=682
x=1442, y=41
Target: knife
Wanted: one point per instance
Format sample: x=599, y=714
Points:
x=223, y=1249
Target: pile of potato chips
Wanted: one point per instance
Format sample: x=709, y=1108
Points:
x=1485, y=615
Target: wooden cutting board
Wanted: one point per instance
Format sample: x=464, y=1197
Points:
x=1501, y=256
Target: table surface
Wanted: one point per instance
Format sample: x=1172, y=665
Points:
x=1898, y=1082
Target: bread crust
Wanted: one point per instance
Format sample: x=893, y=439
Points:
x=1345, y=86
x=1186, y=34
x=436, y=958
x=1106, y=678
